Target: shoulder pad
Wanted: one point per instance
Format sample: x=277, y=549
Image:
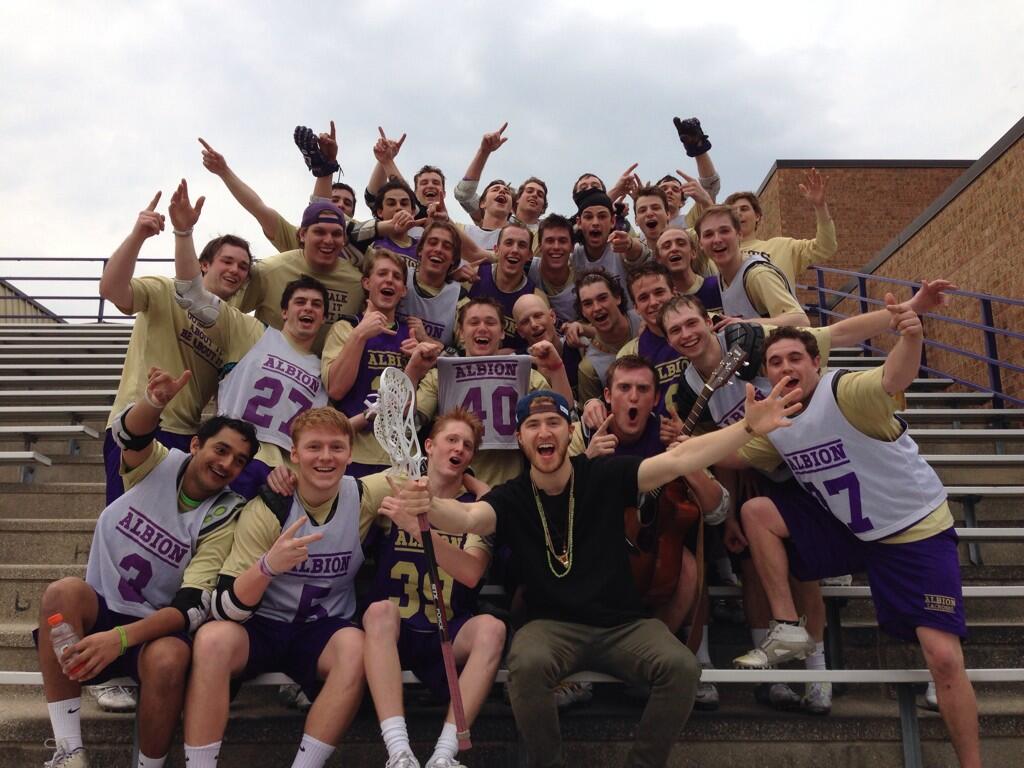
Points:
x=223, y=510
x=278, y=504
x=750, y=338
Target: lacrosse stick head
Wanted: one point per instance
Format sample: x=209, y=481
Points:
x=395, y=425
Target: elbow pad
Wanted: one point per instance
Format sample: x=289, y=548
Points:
x=124, y=439
x=194, y=605
x=717, y=515
x=193, y=297
x=226, y=606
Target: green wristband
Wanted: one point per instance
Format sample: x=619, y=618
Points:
x=124, y=639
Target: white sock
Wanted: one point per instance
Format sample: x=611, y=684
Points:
x=312, y=753
x=203, y=757
x=66, y=720
x=758, y=634
x=395, y=735
x=703, y=658
x=151, y=762
x=447, y=743
x=816, y=660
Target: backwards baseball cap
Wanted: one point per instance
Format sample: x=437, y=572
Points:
x=541, y=401
x=322, y=212
x=591, y=197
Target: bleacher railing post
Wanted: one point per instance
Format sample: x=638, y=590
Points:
x=908, y=726
x=822, y=317
x=99, y=313
x=995, y=379
x=862, y=286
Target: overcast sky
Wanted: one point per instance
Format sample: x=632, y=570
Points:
x=102, y=109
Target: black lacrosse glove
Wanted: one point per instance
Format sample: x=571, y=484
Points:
x=750, y=338
x=309, y=146
x=695, y=141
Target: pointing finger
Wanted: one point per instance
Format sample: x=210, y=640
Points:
x=630, y=169
x=206, y=146
x=154, y=201
x=503, y=127
x=381, y=132
x=332, y=129
x=400, y=142
x=683, y=175
x=290, y=531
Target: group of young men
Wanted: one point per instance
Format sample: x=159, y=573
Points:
x=560, y=367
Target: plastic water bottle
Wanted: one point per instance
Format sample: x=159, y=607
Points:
x=62, y=637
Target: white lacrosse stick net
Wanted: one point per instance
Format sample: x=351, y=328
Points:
x=395, y=425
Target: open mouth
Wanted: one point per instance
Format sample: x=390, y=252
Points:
x=306, y=320
x=438, y=260
x=633, y=413
x=650, y=222
x=455, y=461
x=546, y=449
x=325, y=470
x=387, y=292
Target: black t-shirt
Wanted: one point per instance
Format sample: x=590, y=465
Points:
x=599, y=588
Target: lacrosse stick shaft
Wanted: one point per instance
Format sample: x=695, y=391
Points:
x=446, y=642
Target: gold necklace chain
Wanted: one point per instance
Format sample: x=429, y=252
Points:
x=565, y=559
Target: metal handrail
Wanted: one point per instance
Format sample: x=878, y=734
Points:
x=990, y=334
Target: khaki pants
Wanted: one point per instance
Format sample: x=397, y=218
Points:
x=642, y=652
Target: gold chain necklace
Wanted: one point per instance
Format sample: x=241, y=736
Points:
x=565, y=558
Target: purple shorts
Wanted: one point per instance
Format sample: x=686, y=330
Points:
x=123, y=666
x=916, y=584
x=294, y=649
x=249, y=480
x=420, y=653
x=112, y=458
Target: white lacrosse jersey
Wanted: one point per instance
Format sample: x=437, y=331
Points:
x=875, y=487
x=735, y=301
x=271, y=385
x=437, y=312
x=143, y=544
x=564, y=301
x=485, y=238
x=323, y=585
x=490, y=387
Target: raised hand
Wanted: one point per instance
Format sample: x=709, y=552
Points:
x=692, y=188
x=491, y=141
x=694, y=140
x=466, y=273
x=436, y=212
x=903, y=319
x=329, y=144
x=290, y=550
x=387, y=149
x=619, y=241
x=213, y=160
x=767, y=415
x=813, y=189
x=930, y=297
x=149, y=222
x=545, y=356
x=374, y=322
x=183, y=214
x=603, y=442
x=161, y=387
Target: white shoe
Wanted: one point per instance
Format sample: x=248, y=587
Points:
x=444, y=762
x=114, y=698
x=931, y=698
x=64, y=759
x=777, y=696
x=707, y=696
x=837, y=581
x=818, y=699
x=568, y=693
x=403, y=760
x=784, y=642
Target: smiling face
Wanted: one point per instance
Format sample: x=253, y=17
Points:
x=451, y=449
x=649, y=293
x=651, y=216
x=544, y=438
x=227, y=272
x=497, y=201
x=555, y=247
x=385, y=285
x=789, y=357
x=632, y=394
x=217, y=461
x=720, y=240
x=596, y=224
x=599, y=306
x=535, y=321
x=675, y=252
x=322, y=454
x=429, y=187
x=688, y=332
x=304, y=314
x=481, y=330
x=532, y=202
x=513, y=252
x=436, y=256
x=322, y=244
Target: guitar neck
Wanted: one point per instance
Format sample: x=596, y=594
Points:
x=697, y=410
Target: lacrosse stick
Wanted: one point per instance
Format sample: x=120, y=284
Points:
x=395, y=429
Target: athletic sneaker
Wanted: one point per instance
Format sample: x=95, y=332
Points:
x=444, y=762
x=294, y=697
x=402, y=760
x=707, y=695
x=569, y=693
x=64, y=759
x=114, y=698
x=931, y=698
x=784, y=642
x=837, y=581
x=818, y=699
x=777, y=696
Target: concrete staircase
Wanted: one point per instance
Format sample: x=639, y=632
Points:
x=56, y=386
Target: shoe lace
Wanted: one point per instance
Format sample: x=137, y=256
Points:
x=60, y=756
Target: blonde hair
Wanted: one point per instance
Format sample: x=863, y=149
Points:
x=327, y=417
x=465, y=416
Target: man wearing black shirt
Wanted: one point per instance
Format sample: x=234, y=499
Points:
x=563, y=520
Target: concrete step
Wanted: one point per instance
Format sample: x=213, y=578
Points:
x=32, y=361
x=54, y=396
x=53, y=500
x=956, y=417
x=65, y=469
x=80, y=445
x=863, y=730
x=94, y=414
x=65, y=329
x=950, y=399
x=33, y=381
x=52, y=366
x=982, y=441
x=46, y=541
x=64, y=347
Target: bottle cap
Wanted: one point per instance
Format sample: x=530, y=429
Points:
x=56, y=619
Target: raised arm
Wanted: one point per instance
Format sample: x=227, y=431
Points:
x=116, y=281
x=854, y=330
x=550, y=365
x=465, y=190
x=901, y=366
x=384, y=151
x=414, y=498
x=133, y=430
x=266, y=216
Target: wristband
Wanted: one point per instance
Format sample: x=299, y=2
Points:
x=124, y=639
x=265, y=568
x=152, y=402
x=747, y=428
x=182, y=232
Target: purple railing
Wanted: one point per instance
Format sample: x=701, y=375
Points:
x=829, y=298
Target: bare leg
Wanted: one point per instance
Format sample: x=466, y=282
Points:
x=219, y=652
x=765, y=530
x=163, y=669
x=957, y=704
x=380, y=658
x=477, y=649
x=338, y=700
x=77, y=601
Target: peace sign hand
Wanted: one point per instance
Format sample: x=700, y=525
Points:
x=290, y=550
x=183, y=214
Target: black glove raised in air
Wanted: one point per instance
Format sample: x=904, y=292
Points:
x=695, y=141
x=309, y=146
